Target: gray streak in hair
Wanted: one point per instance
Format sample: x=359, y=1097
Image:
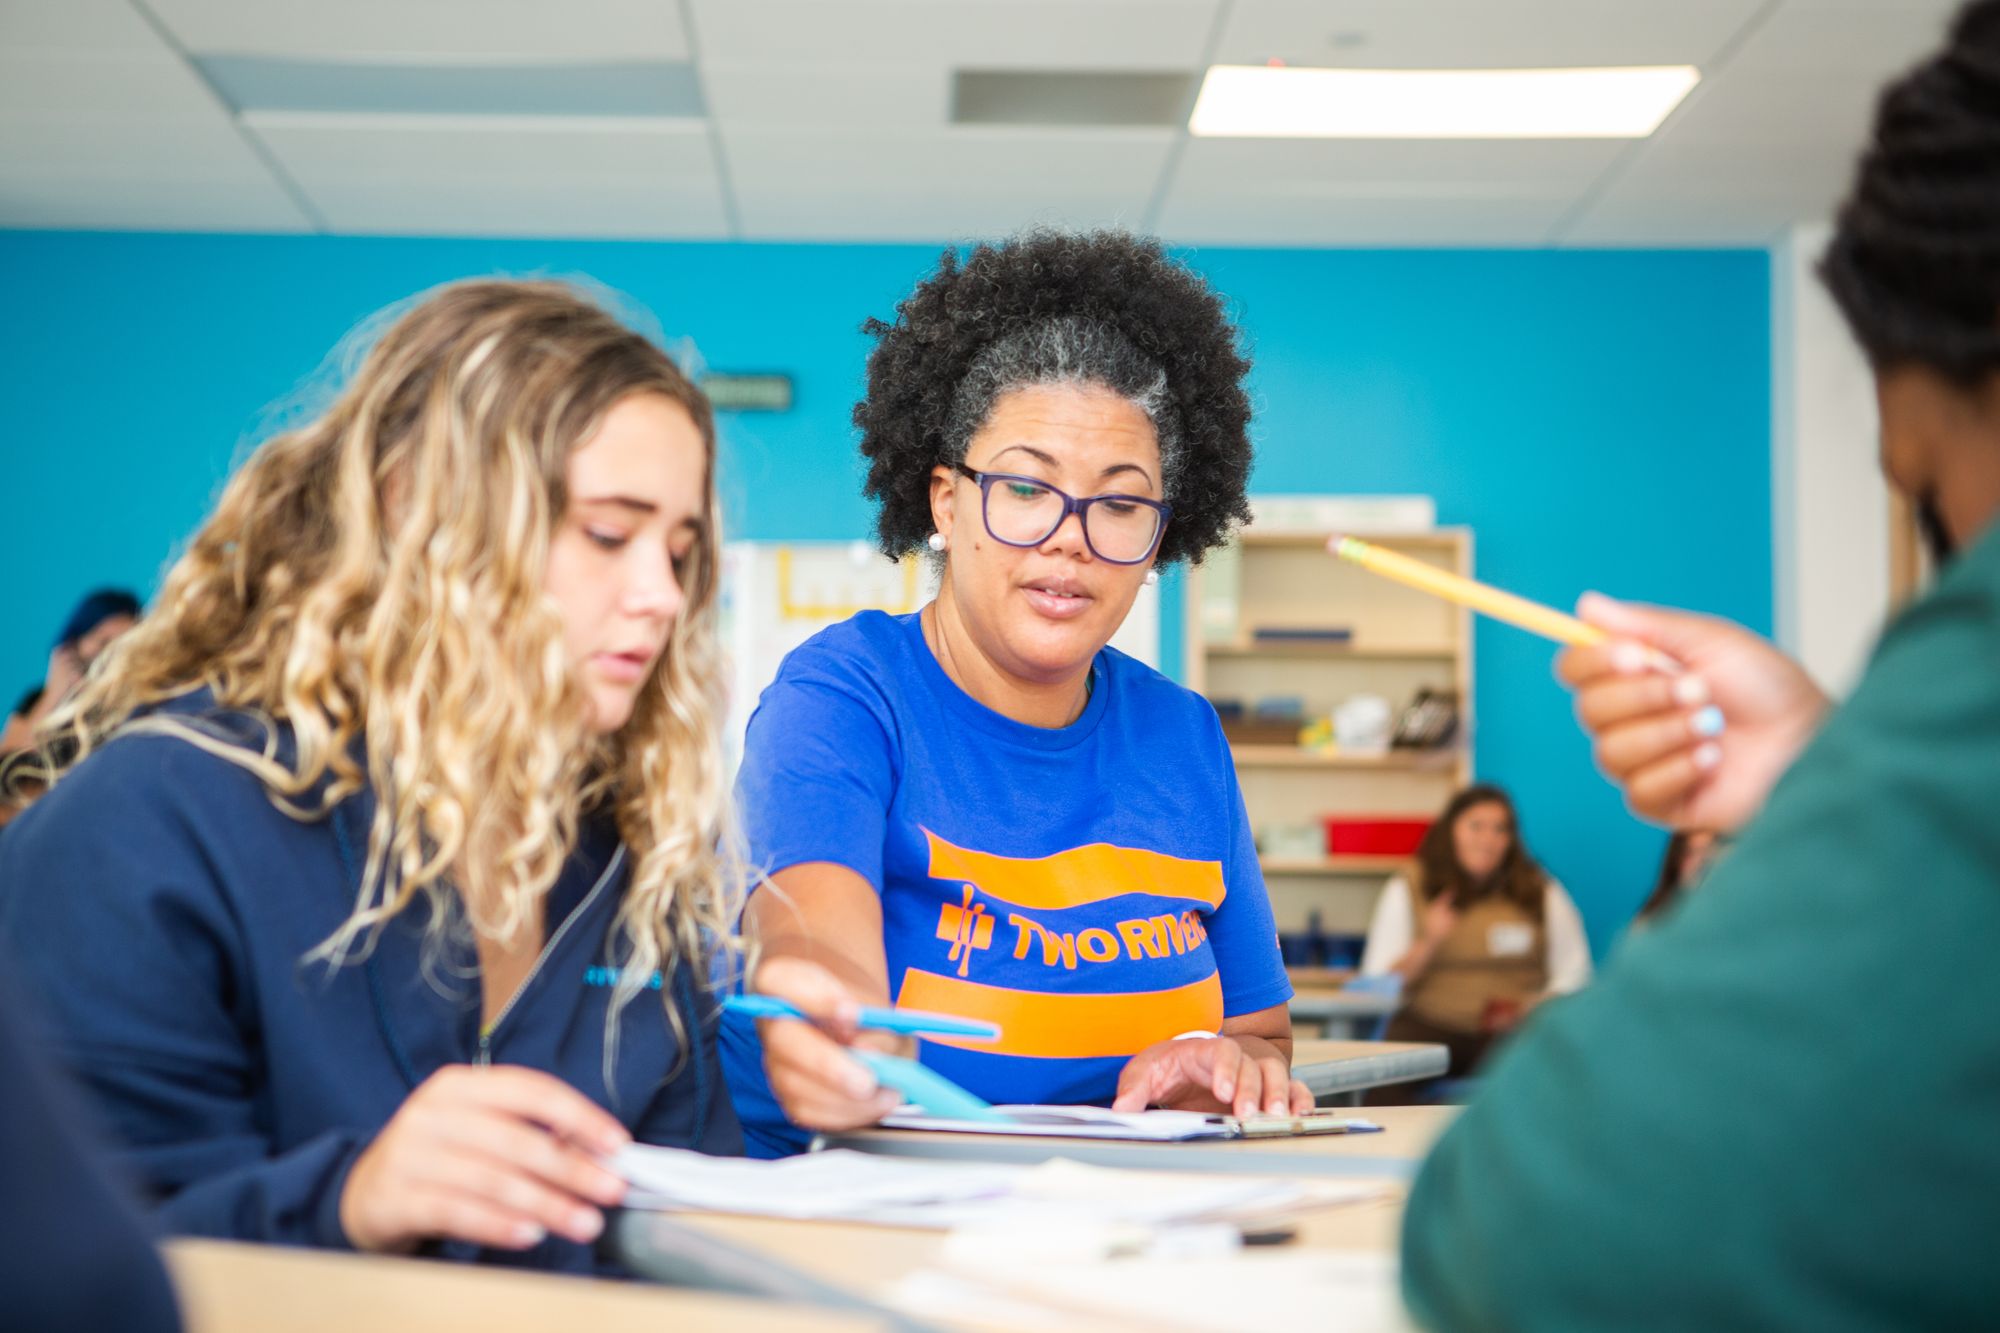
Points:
x=1067, y=350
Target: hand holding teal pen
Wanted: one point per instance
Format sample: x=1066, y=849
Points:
x=917, y=1085
x=875, y=1018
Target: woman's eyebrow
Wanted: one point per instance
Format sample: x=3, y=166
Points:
x=630, y=502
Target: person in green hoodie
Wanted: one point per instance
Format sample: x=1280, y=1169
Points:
x=1781, y=1107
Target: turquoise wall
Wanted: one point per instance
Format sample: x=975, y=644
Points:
x=1601, y=419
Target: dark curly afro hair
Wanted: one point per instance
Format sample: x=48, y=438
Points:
x=1915, y=258
x=1126, y=293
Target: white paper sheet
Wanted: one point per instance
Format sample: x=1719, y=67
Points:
x=860, y=1187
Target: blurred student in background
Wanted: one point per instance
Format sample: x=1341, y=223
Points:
x=1481, y=937
x=98, y=619
x=1682, y=865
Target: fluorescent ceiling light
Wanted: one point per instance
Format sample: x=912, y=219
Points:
x=1284, y=102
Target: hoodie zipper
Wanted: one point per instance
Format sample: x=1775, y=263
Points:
x=484, y=1055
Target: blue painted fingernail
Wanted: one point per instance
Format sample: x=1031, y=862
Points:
x=1708, y=722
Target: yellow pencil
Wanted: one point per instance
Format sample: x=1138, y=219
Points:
x=1481, y=597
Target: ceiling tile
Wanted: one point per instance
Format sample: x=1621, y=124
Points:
x=49, y=83
x=126, y=137
x=569, y=30
x=1809, y=172
x=1468, y=219
x=1482, y=34
x=1865, y=41
x=1684, y=221
x=123, y=171
x=976, y=161
x=940, y=183
x=1739, y=107
x=1330, y=167
x=55, y=199
x=833, y=95
x=86, y=25
x=989, y=34
x=501, y=178
x=926, y=216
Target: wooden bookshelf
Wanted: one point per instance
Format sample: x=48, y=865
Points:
x=1399, y=640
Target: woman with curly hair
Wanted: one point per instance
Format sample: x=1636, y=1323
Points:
x=980, y=808
x=376, y=881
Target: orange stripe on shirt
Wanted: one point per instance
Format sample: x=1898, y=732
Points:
x=1079, y=876
x=1066, y=1026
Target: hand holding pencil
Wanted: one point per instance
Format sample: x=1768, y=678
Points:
x=1661, y=738
x=1695, y=718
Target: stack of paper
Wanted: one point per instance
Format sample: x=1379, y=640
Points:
x=861, y=1187
x=837, y=1184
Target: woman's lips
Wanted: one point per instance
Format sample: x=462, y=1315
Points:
x=623, y=668
x=1057, y=605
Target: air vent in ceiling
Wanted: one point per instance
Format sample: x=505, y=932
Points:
x=1071, y=97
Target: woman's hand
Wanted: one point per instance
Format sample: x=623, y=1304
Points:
x=1234, y=1075
x=819, y=1085
x=498, y=1156
x=1700, y=750
x=1440, y=919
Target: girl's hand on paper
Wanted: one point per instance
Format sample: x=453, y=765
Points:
x=1700, y=750
x=819, y=1085
x=1233, y=1075
x=500, y=1156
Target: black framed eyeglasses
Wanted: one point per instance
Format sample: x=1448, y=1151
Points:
x=1023, y=511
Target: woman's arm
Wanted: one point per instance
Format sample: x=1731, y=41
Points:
x=1390, y=930
x=826, y=914
x=1438, y=922
x=817, y=928
x=1569, y=946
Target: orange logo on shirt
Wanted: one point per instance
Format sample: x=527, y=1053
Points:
x=1079, y=876
x=967, y=926
x=1024, y=892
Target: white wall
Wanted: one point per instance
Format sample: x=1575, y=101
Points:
x=1830, y=506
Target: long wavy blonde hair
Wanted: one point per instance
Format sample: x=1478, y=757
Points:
x=373, y=581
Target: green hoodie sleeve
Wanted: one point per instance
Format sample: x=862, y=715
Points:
x=1781, y=1108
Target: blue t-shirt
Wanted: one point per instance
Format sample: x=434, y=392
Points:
x=1092, y=888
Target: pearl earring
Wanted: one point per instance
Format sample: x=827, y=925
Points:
x=936, y=542
x=1152, y=577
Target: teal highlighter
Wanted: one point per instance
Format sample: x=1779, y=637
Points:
x=924, y=1087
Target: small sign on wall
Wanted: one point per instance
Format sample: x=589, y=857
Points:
x=762, y=392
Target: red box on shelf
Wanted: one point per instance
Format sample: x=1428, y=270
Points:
x=1381, y=835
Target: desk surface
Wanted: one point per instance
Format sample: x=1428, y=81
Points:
x=233, y=1288
x=1324, y=1002
x=867, y=1261
x=1328, y=1067
x=226, y=1287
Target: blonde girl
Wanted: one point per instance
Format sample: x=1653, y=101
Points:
x=373, y=886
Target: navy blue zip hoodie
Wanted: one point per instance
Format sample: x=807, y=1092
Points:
x=160, y=908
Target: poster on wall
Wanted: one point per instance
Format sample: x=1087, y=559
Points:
x=776, y=595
